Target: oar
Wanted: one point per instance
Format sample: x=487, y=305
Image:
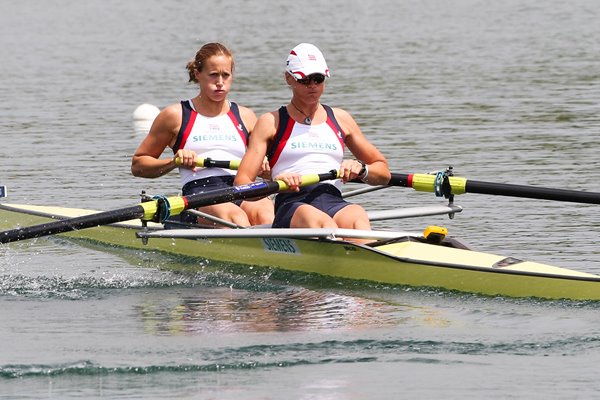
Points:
x=159, y=209
x=458, y=185
x=210, y=163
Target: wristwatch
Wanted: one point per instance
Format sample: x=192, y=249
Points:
x=361, y=174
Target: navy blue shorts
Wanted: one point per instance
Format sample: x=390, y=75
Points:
x=206, y=185
x=323, y=196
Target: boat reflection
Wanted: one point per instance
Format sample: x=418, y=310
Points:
x=222, y=309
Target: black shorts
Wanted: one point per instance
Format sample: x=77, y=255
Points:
x=323, y=196
x=206, y=185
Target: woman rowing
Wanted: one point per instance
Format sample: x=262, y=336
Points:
x=207, y=126
x=307, y=137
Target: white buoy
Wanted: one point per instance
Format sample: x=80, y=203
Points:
x=143, y=116
x=145, y=112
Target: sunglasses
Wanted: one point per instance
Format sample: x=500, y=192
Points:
x=316, y=78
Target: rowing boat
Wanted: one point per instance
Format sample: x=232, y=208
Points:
x=429, y=259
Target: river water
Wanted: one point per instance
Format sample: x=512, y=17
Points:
x=503, y=91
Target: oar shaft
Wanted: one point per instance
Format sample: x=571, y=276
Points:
x=72, y=224
x=532, y=192
x=426, y=183
x=399, y=180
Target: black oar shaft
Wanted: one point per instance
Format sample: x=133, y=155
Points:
x=399, y=180
x=72, y=224
x=233, y=193
x=532, y=192
x=425, y=182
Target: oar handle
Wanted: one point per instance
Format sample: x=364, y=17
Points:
x=210, y=163
x=458, y=185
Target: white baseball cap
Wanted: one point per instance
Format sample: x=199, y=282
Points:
x=306, y=59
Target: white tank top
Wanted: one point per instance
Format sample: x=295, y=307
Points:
x=310, y=149
x=220, y=138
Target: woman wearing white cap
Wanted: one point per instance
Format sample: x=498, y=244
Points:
x=307, y=137
x=207, y=126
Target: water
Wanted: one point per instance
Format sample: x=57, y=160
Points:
x=502, y=91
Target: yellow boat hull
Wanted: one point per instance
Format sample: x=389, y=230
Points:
x=403, y=262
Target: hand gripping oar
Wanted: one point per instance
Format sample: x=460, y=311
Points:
x=210, y=163
x=444, y=184
x=159, y=209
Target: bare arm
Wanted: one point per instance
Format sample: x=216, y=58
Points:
x=362, y=149
x=146, y=162
x=249, y=119
x=252, y=162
